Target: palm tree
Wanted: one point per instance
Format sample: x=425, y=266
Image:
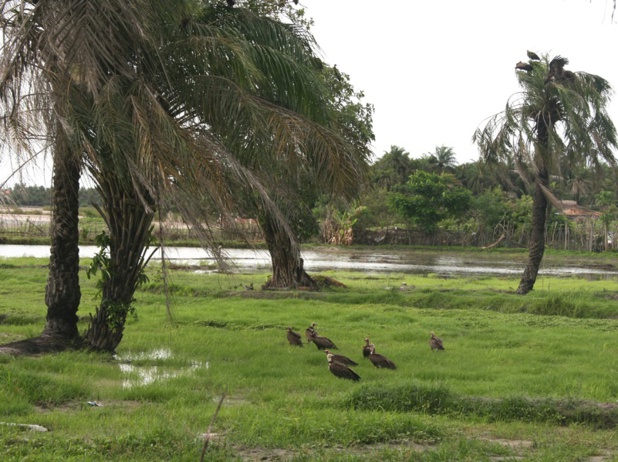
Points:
x=557, y=113
x=393, y=168
x=59, y=58
x=330, y=151
x=186, y=106
x=220, y=66
x=50, y=49
x=442, y=159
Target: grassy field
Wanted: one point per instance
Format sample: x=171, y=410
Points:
x=529, y=378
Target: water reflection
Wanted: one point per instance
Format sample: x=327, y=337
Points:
x=378, y=261
x=139, y=376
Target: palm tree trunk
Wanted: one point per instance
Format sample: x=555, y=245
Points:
x=287, y=264
x=62, y=293
x=130, y=228
x=536, y=245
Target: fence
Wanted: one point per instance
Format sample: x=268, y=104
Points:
x=584, y=235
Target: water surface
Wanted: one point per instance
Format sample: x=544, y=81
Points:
x=337, y=258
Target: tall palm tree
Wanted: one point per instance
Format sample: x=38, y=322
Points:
x=51, y=49
x=557, y=113
x=222, y=65
x=61, y=60
x=331, y=150
x=185, y=99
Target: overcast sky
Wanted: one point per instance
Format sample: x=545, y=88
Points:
x=436, y=70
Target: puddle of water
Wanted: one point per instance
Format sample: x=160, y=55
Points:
x=139, y=376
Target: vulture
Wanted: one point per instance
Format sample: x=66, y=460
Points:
x=367, y=348
x=380, y=361
x=310, y=332
x=340, y=370
x=341, y=359
x=532, y=55
x=322, y=342
x=556, y=70
x=294, y=338
x=523, y=66
x=435, y=342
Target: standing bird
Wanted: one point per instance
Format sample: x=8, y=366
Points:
x=340, y=370
x=380, y=361
x=341, y=359
x=294, y=338
x=435, y=342
x=367, y=348
x=532, y=55
x=310, y=332
x=322, y=342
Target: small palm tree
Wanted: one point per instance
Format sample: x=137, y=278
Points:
x=557, y=113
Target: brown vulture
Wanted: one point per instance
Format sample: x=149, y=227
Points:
x=322, y=342
x=367, y=348
x=340, y=370
x=523, y=66
x=294, y=338
x=380, y=361
x=435, y=342
x=310, y=332
x=556, y=70
x=532, y=55
x=341, y=359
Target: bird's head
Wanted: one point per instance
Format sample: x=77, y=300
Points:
x=367, y=340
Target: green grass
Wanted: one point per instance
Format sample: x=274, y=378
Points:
x=531, y=377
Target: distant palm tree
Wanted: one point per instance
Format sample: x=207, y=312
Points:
x=557, y=113
x=393, y=168
x=442, y=159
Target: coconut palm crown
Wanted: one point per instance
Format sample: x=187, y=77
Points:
x=558, y=113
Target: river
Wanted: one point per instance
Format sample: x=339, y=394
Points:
x=373, y=260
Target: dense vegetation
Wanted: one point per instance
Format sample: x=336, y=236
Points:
x=491, y=204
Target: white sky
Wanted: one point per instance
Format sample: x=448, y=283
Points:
x=435, y=70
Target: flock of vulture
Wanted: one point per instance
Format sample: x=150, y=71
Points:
x=339, y=365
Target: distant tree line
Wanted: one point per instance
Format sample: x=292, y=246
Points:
x=430, y=200
x=22, y=195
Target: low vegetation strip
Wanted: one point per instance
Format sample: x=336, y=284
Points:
x=441, y=400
